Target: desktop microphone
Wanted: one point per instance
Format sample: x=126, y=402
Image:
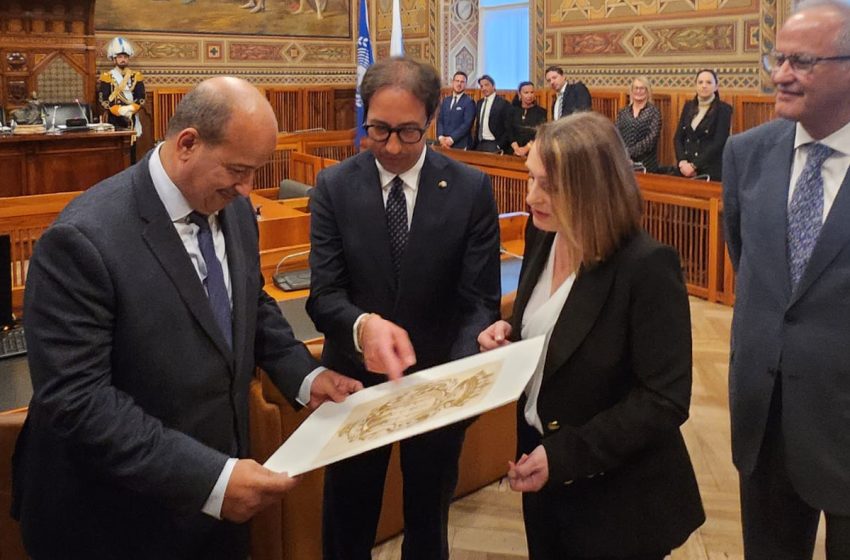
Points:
x=85, y=116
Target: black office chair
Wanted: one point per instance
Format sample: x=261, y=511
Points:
x=55, y=114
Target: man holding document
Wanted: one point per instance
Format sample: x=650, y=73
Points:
x=145, y=316
x=404, y=275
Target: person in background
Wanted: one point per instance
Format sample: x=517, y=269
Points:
x=786, y=207
x=121, y=90
x=639, y=124
x=602, y=464
x=145, y=320
x=524, y=119
x=405, y=273
x=457, y=112
x=703, y=129
x=492, y=113
x=573, y=96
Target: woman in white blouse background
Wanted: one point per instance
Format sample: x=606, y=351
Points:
x=602, y=464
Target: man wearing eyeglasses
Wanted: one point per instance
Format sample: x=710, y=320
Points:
x=404, y=271
x=787, y=212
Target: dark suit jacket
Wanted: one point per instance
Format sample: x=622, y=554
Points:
x=138, y=401
x=703, y=147
x=457, y=122
x=499, y=114
x=576, y=98
x=448, y=290
x=801, y=335
x=616, y=387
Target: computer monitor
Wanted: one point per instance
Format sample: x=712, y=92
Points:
x=6, y=318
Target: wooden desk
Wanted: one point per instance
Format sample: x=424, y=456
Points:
x=50, y=163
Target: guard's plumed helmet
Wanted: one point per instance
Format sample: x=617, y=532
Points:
x=119, y=45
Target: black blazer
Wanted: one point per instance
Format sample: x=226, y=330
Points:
x=703, y=147
x=576, y=98
x=448, y=289
x=498, y=122
x=138, y=400
x=616, y=387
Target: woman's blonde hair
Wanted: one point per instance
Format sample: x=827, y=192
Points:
x=591, y=183
x=646, y=83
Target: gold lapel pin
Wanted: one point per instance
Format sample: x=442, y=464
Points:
x=442, y=184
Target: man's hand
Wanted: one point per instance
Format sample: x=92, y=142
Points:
x=331, y=386
x=531, y=472
x=494, y=336
x=251, y=489
x=386, y=347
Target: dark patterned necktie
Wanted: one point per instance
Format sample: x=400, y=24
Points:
x=805, y=213
x=397, y=222
x=481, y=119
x=214, y=282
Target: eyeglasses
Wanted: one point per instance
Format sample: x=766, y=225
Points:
x=406, y=134
x=800, y=63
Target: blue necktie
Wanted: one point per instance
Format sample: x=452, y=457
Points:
x=805, y=213
x=397, y=222
x=214, y=282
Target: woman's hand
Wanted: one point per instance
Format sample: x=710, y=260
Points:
x=687, y=169
x=494, y=336
x=531, y=472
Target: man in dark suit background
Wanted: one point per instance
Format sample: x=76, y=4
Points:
x=388, y=296
x=145, y=315
x=787, y=211
x=454, y=120
x=572, y=96
x=492, y=113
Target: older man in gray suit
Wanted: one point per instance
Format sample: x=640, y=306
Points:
x=787, y=205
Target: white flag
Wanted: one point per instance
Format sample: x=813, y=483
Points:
x=396, y=42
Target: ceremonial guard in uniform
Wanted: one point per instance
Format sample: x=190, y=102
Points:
x=121, y=91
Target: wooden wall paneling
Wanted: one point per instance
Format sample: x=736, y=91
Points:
x=683, y=223
x=666, y=154
x=343, y=108
x=608, y=103
x=317, y=108
x=305, y=167
x=287, y=105
x=165, y=101
x=751, y=110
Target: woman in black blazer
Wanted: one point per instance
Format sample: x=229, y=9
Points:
x=602, y=464
x=703, y=129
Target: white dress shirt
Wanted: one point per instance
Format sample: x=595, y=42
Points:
x=486, y=133
x=541, y=314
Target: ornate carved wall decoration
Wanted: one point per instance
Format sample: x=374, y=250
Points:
x=460, y=38
x=47, y=47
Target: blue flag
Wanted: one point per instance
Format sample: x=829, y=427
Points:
x=364, y=61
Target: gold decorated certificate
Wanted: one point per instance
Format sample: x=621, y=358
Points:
x=417, y=403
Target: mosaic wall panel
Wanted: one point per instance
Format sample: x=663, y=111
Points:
x=460, y=38
x=60, y=82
